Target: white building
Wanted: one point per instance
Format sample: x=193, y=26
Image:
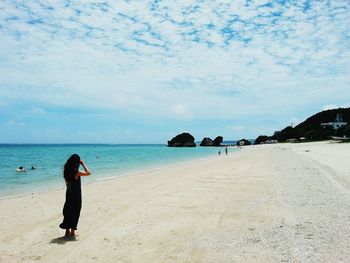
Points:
x=336, y=124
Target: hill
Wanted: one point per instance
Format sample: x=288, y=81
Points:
x=311, y=129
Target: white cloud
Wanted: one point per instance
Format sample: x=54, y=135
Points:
x=181, y=112
x=37, y=110
x=329, y=107
x=334, y=106
x=15, y=123
x=236, y=128
x=237, y=59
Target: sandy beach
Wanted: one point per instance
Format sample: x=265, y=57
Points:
x=265, y=203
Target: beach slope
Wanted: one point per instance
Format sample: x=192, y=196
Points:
x=265, y=203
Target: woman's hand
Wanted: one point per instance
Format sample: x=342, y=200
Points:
x=86, y=169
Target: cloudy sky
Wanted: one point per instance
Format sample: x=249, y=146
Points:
x=144, y=71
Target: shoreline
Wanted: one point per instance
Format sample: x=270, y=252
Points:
x=269, y=203
x=104, y=176
x=103, y=161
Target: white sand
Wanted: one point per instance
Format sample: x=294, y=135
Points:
x=268, y=203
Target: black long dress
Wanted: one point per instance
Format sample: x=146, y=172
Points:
x=72, y=206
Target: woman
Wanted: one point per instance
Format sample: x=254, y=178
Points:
x=72, y=206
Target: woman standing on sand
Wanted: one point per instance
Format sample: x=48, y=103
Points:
x=72, y=206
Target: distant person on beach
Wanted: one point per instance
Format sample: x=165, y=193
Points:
x=72, y=206
x=226, y=150
x=219, y=152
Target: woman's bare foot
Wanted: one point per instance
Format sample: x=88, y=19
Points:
x=72, y=233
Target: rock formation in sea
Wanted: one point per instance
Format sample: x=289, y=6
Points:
x=206, y=142
x=209, y=142
x=217, y=141
x=182, y=140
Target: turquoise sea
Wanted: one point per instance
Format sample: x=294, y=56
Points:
x=104, y=161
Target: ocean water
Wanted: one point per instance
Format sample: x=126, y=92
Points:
x=104, y=161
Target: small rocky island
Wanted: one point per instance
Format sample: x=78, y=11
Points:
x=209, y=142
x=182, y=140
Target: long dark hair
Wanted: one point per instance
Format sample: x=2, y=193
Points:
x=71, y=167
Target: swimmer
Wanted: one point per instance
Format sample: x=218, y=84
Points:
x=20, y=169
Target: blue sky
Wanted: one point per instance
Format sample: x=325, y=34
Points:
x=144, y=71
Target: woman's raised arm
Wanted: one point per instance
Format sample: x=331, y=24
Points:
x=86, y=170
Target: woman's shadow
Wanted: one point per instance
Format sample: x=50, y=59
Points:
x=62, y=240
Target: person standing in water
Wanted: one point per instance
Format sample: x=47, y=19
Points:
x=72, y=205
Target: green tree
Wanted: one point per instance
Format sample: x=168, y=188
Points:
x=346, y=130
x=261, y=138
x=311, y=135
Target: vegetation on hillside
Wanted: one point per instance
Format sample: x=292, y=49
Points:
x=311, y=128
